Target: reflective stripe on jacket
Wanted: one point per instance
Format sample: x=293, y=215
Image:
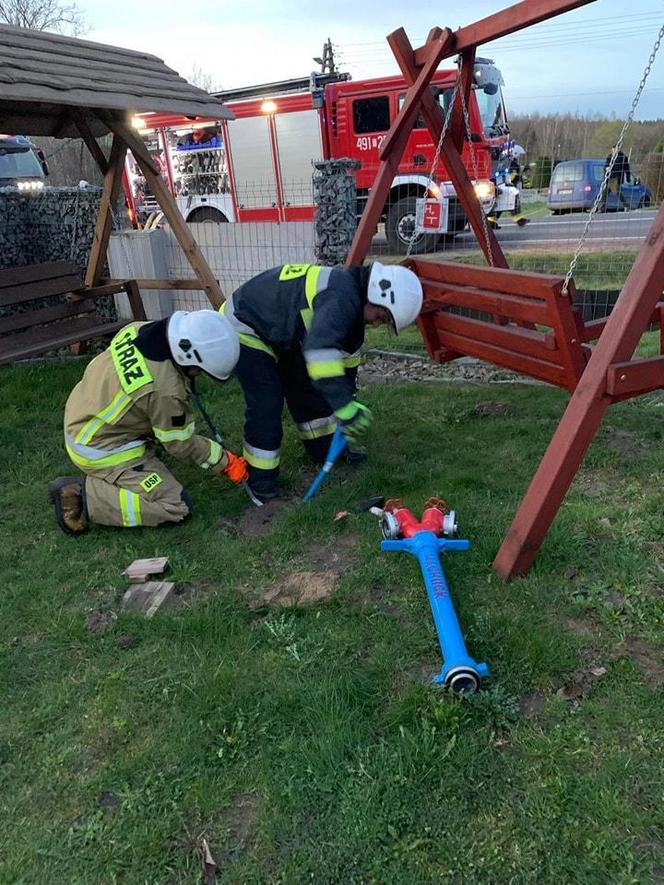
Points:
x=124, y=403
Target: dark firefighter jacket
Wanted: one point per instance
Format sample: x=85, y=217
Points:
x=319, y=310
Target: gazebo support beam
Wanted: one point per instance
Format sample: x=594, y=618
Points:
x=109, y=199
x=171, y=212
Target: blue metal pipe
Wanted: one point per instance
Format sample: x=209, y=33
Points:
x=337, y=445
x=459, y=671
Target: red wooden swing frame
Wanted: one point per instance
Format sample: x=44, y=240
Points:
x=610, y=373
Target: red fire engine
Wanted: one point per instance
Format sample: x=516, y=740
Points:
x=258, y=166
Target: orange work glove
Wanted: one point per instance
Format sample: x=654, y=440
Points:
x=236, y=469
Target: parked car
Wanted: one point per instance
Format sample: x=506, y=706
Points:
x=576, y=183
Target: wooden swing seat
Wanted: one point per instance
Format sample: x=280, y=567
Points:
x=522, y=321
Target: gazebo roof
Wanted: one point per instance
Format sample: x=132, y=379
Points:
x=46, y=80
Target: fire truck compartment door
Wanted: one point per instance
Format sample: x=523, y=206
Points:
x=299, y=141
x=252, y=162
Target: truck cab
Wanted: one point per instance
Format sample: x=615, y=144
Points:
x=22, y=165
x=360, y=113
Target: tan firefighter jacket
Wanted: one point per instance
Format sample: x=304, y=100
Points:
x=125, y=402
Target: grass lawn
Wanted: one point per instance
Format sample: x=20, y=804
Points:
x=308, y=744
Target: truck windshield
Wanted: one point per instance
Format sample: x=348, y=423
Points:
x=492, y=111
x=19, y=163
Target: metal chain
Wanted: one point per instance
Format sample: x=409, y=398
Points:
x=609, y=168
x=439, y=148
x=473, y=159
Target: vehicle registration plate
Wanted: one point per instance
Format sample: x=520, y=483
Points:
x=564, y=190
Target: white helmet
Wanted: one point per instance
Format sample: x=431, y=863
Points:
x=398, y=290
x=204, y=339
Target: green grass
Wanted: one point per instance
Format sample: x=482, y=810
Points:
x=309, y=745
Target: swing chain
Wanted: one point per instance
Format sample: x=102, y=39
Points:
x=439, y=148
x=473, y=159
x=612, y=162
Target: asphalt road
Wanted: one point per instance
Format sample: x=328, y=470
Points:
x=613, y=230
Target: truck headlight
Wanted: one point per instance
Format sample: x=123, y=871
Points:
x=485, y=190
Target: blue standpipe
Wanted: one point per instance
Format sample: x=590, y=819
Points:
x=459, y=671
x=337, y=445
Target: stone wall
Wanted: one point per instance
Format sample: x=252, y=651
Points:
x=54, y=225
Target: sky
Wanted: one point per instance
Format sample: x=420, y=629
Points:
x=587, y=61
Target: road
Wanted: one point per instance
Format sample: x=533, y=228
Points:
x=613, y=231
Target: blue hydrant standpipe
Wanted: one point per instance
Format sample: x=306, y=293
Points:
x=459, y=671
x=337, y=445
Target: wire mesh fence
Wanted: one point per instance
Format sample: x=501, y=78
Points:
x=538, y=230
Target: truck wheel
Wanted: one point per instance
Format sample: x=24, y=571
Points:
x=207, y=215
x=400, y=227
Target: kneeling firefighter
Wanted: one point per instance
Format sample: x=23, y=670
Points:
x=301, y=327
x=132, y=396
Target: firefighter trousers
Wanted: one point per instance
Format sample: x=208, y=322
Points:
x=145, y=494
x=266, y=382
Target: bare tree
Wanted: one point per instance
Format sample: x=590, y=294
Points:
x=44, y=15
x=201, y=78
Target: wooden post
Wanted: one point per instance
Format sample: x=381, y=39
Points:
x=109, y=198
x=586, y=408
x=171, y=212
x=393, y=148
x=435, y=120
x=90, y=141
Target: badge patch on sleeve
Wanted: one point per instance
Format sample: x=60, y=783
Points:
x=151, y=481
x=293, y=271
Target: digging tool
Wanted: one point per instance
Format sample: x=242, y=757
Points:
x=426, y=540
x=337, y=446
x=214, y=430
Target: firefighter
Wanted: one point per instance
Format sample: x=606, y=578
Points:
x=301, y=327
x=507, y=179
x=132, y=396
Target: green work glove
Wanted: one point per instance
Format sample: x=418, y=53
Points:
x=354, y=418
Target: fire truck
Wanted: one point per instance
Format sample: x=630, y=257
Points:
x=258, y=167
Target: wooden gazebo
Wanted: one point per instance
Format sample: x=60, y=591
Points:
x=65, y=87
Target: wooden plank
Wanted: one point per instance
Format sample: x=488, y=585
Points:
x=16, y=276
x=509, y=338
x=45, y=315
x=566, y=332
x=109, y=198
x=494, y=279
x=172, y=214
x=29, y=344
x=38, y=289
x=512, y=306
x=634, y=377
x=507, y=21
x=508, y=359
x=586, y=408
x=188, y=284
x=390, y=158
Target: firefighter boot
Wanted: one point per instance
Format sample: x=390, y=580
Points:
x=67, y=495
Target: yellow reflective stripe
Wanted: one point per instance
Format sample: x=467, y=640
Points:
x=262, y=459
x=177, y=434
x=256, y=343
x=310, y=291
x=111, y=460
x=293, y=271
x=222, y=309
x=214, y=457
x=107, y=416
x=130, y=508
x=129, y=364
x=317, y=428
x=329, y=369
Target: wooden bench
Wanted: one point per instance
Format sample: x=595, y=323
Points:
x=40, y=329
x=521, y=321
